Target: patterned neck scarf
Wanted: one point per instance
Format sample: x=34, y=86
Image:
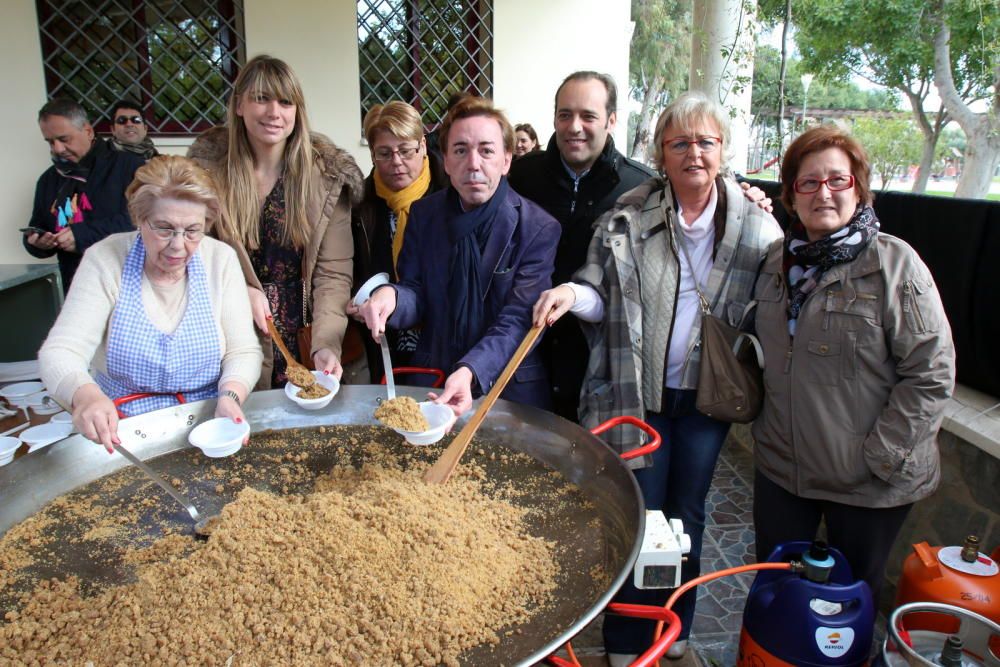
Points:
x=806, y=261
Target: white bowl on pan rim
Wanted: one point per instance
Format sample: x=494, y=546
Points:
x=440, y=417
x=219, y=437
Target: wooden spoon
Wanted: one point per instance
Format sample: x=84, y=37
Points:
x=297, y=374
x=448, y=461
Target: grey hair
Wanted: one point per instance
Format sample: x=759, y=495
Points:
x=67, y=108
x=684, y=113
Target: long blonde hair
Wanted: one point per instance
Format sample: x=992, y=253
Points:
x=266, y=75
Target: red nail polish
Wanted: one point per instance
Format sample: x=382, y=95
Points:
x=326, y=372
x=239, y=420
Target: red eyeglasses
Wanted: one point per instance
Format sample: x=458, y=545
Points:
x=836, y=183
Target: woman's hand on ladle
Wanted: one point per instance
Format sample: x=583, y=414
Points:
x=552, y=304
x=260, y=308
x=95, y=416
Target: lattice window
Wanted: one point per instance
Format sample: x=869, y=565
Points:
x=423, y=51
x=177, y=58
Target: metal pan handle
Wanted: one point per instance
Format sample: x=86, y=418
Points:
x=648, y=448
x=672, y=630
x=122, y=400
x=417, y=370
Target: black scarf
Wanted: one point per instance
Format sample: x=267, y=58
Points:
x=468, y=232
x=806, y=261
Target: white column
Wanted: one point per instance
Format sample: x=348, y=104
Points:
x=722, y=50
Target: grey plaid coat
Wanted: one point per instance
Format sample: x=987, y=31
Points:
x=633, y=264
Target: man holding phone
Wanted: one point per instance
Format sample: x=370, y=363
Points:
x=80, y=199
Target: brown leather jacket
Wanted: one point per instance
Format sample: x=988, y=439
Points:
x=853, y=404
x=327, y=258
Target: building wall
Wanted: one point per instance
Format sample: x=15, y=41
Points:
x=536, y=46
x=539, y=43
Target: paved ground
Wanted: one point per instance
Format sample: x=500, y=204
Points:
x=728, y=543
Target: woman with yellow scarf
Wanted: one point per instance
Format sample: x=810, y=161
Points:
x=404, y=172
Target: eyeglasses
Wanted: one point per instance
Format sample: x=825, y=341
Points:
x=836, y=183
x=680, y=145
x=135, y=120
x=168, y=233
x=404, y=152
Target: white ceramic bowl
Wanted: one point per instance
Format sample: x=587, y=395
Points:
x=20, y=394
x=328, y=381
x=8, y=446
x=43, y=435
x=61, y=418
x=440, y=417
x=43, y=404
x=365, y=291
x=219, y=437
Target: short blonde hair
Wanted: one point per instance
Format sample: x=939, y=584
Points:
x=685, y=112
x=396, y=117
x=172, y=177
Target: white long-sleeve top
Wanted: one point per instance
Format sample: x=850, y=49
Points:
x=78, y=340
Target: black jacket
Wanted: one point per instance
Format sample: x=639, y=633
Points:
x=541, y=176
x=110, y=175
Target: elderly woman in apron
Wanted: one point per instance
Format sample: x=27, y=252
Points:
x=160, y=315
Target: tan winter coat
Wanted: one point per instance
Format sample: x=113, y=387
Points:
x=852, y=407
x=328, y=256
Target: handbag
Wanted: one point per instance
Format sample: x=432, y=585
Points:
x=731, y=375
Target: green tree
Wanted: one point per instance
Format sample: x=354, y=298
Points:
x=978, y=62
x=892, y=145
x=891, y=44
x=659, y=58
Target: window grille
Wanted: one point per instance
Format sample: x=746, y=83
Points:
x=424, y=51
x=176, y=58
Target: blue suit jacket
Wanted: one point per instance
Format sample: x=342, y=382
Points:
x=516, y=268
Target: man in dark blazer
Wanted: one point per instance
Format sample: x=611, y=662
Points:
x=475, y=259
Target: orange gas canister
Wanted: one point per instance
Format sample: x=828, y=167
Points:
x=959, y=576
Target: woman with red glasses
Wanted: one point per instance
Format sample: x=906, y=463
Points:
x=858, y=365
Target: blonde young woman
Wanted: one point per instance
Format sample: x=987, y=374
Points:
x=287, y=196
x=404, y=172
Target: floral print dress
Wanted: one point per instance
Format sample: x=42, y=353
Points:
x=279, y=268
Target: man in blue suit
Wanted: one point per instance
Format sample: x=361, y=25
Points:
x=476, y=256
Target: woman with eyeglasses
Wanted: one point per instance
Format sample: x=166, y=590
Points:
x=858, y=365
x=691, y=230
x=287, y=195
x=404, y=172
x=161, y=311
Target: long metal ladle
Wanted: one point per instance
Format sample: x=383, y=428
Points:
x=201, y=522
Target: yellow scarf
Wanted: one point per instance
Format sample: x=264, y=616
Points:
x=399, y=203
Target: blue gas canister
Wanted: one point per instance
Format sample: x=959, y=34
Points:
x=818, y=617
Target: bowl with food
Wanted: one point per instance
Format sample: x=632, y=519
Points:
x=219, y=437
x=419, y=423
x=316, y=396
x=8, y=446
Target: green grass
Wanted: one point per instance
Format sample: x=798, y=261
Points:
x=993, y=196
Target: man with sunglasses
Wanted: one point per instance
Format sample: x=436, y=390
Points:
x=80, y=199
x=128, y=130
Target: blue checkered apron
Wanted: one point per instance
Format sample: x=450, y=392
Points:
x=143, y=359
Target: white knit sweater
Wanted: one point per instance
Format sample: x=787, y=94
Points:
x=78, y=340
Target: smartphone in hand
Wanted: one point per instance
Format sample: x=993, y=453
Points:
x=33, y=230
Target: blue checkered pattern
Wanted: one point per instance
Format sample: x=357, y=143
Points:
x=143, y=359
